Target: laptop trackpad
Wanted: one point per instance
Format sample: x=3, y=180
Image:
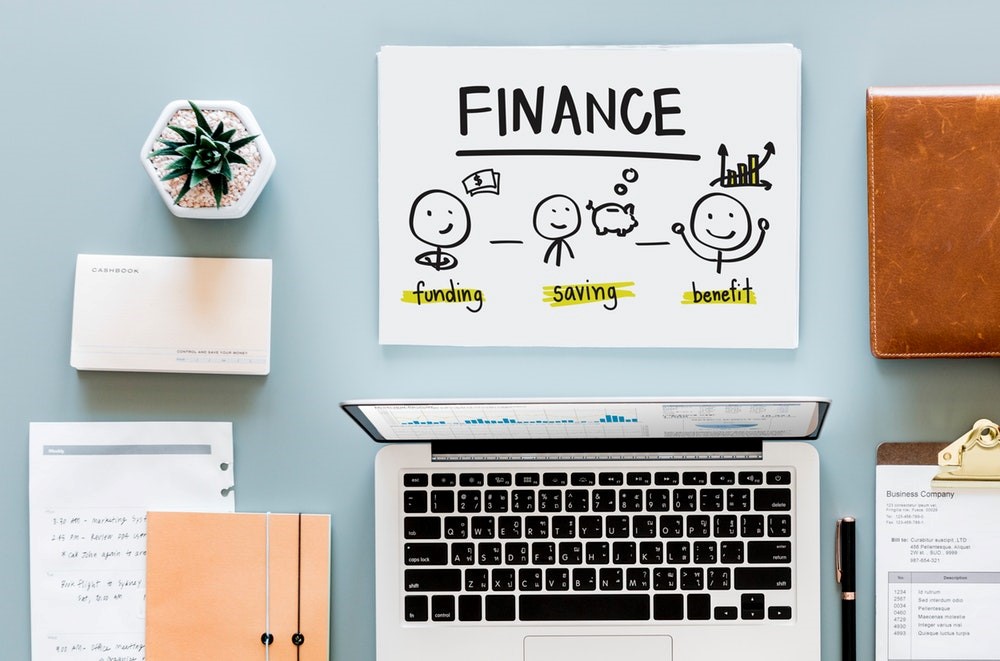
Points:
x=597, y=648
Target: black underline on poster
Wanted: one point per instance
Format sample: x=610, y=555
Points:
x=505, y=241
x=652, y=243
x=579, y=152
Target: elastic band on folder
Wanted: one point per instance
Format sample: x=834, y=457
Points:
x=266, y=638
x=297, y=637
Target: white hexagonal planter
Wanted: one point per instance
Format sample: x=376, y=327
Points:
x=247, y=180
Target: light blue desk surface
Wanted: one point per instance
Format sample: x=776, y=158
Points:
x=82, y=83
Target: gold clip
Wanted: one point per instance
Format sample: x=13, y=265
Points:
x=972, y=460
x=836, y=553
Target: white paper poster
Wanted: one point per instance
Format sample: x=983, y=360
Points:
x=615, y=196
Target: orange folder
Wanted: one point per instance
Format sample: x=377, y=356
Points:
x=217, y=583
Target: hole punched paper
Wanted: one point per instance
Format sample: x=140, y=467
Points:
x=90, y=487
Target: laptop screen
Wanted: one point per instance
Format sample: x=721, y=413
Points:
x=587, y=419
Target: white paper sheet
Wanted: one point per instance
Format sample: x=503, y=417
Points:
x=605, y=196
x=90, y=486
x=937, y=569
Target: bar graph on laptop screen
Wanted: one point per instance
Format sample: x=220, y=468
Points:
x=590, y=420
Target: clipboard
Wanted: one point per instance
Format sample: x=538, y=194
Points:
x=970, y=461
x=937, y=542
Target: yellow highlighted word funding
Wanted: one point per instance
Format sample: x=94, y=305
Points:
x=454, y=294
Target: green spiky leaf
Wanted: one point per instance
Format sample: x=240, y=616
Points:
x=186, y=136
x=242, y=142
x=199, y=117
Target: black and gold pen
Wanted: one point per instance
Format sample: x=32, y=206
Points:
x=845, y=566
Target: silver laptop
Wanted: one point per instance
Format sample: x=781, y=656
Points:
x=593, y=529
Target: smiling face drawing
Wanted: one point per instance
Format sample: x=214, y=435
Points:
x=720, y=222
x=557, y=217
x=439, y=219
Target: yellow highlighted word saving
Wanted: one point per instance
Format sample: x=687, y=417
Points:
x=588, y=292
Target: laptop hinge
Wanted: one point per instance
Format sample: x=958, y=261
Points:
x=645, y=450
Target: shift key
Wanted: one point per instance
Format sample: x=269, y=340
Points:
x=762, y=578
x=432, y=580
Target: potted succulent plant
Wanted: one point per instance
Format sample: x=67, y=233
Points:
x=208, y=159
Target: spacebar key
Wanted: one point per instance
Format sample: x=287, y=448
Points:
x=552, y=607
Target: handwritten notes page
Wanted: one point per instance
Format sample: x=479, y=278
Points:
x=91, y=485
x=618, y=196
x=937, y=570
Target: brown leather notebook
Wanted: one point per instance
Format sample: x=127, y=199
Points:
x=934, y=221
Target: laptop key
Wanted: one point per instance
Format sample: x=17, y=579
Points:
x=762, y=578
x=443, y=480
x=442, y=502
x=471, y=479
x=415, y=480
x=667, y=479
x=699, y=606
x=769, y=552
x=768, y=500
x=422, y=527
x=723, y=478
x=483, y=527
x=554, y=479
x=639, y=479
x=502, y=580
x=726, y=612
x=668, y=607
x=779, y=612
x=425, y=554
x=527, y=479
x=718, y=578
x=583, y=479
x=611, y=479
x=611, y=578
x=499, y=480
x=477, y=580
x=751, y=478
x=779, y=477
x=432, y=580
x=469, y=502
x=557, y=579
x=664, y=579
x=499, y=608
x=415, y=608
x=584, y=579
x=575, y=607
x=752, y=606
x=470, y=608
x=414, y=502
x=509, y=527
x=779, y=525
x=442, y=608
x=695, y=478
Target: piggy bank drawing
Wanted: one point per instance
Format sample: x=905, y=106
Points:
x=612, y=217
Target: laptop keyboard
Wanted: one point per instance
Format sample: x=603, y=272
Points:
x=571, y=546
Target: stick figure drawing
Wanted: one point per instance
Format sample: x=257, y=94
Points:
x=722, y=224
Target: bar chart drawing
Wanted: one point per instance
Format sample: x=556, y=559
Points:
x=743, y=174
